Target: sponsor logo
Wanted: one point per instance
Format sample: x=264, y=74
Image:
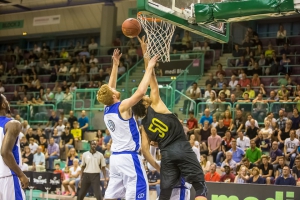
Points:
x=111, y=125
x=141, y=195
x=279, y=195
x=54, y=181
x=39, y=180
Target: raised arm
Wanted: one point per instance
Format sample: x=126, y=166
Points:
x=12, y=129
x=154, y=94
x=142, y=89
x=114, y=72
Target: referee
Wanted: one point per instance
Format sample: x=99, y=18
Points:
x=92, y=163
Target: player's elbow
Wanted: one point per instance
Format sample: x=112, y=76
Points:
x=4, y=154
x=141, y=92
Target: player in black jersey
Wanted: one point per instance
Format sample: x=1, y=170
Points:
x=162, y=126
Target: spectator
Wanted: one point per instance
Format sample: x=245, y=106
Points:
x=153, y=179
x=233, y=82
x=33, y=146
x=290, y=148
x=266, y=170
x=262, y=60
x=228, y=177
x=72, y=154
x=252, y=130
x=246, y=162
x=221, y=80
x=72, y=118
x=295, y=119
x=93, y=60
x=283, y=134
x=281, y=36
x=211, y=80
x=194, y=93
x=220, y=70
x=221, y=129
x=237, y=152
x=239, y=121
x=241, y=176
x=64, y=54
x=296, y=170
x=250, y=92
x=279, y=167
x=286, y=178
x=58, y=171
x=76, y=131
x=228, y=162
x=238, y=92
x=107, y=154
x=191, y=123
x=27, y=157
x=212, y=175
x=214, y=142
x=244, y=81
x=256, y=178
x=30, y=134
x=243, y=142
x=43, y=143
x=74, y=173
x=204, y=133
x=205, y=164
x=208, y=91
x=275, y=153
x=269, y=51
x=225, y=146
x=121, y=69
x=206, y=117
x=93, y=46
x=83, y=123
x=39, y=160
x=253, y=153
x=52, y=152
x=225, y=90
x=67, y=141
x=285, y=49
x=186, y=38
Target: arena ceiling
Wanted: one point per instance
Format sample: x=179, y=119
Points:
x=16, y=6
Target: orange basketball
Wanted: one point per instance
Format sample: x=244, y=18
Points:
x=131, y=27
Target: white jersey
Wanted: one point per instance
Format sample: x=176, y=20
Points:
x=125, y=134
x=5, y=171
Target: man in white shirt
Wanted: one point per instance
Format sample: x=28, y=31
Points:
x=93, y=59
x=208, y=91
x=60, y=127
x=196, y=150
x=290, y=148
x=194, y=93
x=93, y=163
x=93, y=45
x=38, y=163
x=248, y=124
x=243, y=141
x=33, y=146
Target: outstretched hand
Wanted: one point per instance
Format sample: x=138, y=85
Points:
x=116, y=57
x=143, y=43
x=152, y=62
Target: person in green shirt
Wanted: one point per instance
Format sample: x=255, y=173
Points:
x=250, y=92
x=253, y=153
x=283, y=81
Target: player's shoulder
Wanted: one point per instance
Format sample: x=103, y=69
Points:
x=13, y=123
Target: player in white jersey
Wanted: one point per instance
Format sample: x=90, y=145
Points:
x=12, y=178
x=128, y=178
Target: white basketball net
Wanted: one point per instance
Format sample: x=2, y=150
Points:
x=159, y=36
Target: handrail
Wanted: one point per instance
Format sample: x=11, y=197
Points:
x=187, y=98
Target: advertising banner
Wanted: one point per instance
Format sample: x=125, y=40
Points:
x=47, y=20
x=231, y=191
x=43, y=180
x=174, y=68
x=11, y=24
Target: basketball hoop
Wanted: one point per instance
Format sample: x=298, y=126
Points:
x=159, y=36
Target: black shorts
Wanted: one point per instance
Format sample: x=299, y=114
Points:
x=179, y=160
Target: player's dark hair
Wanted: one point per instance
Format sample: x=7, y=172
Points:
x=139, y=109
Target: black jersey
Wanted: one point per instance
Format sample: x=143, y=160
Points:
x=163, y=128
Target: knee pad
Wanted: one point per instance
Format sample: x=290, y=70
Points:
x=165, y=194
x=200, y=188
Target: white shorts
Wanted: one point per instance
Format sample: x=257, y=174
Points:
x=180, y=194
x=11, y=189
x=128, y=178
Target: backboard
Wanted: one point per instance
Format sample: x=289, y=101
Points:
x=181, y=13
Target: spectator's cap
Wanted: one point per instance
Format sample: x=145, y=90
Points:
x=226, y=166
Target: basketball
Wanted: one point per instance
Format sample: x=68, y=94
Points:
x=131, y=28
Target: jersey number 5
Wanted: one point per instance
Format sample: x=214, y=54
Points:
x=158, y=126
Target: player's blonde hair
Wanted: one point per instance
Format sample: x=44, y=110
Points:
x=105, y=95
